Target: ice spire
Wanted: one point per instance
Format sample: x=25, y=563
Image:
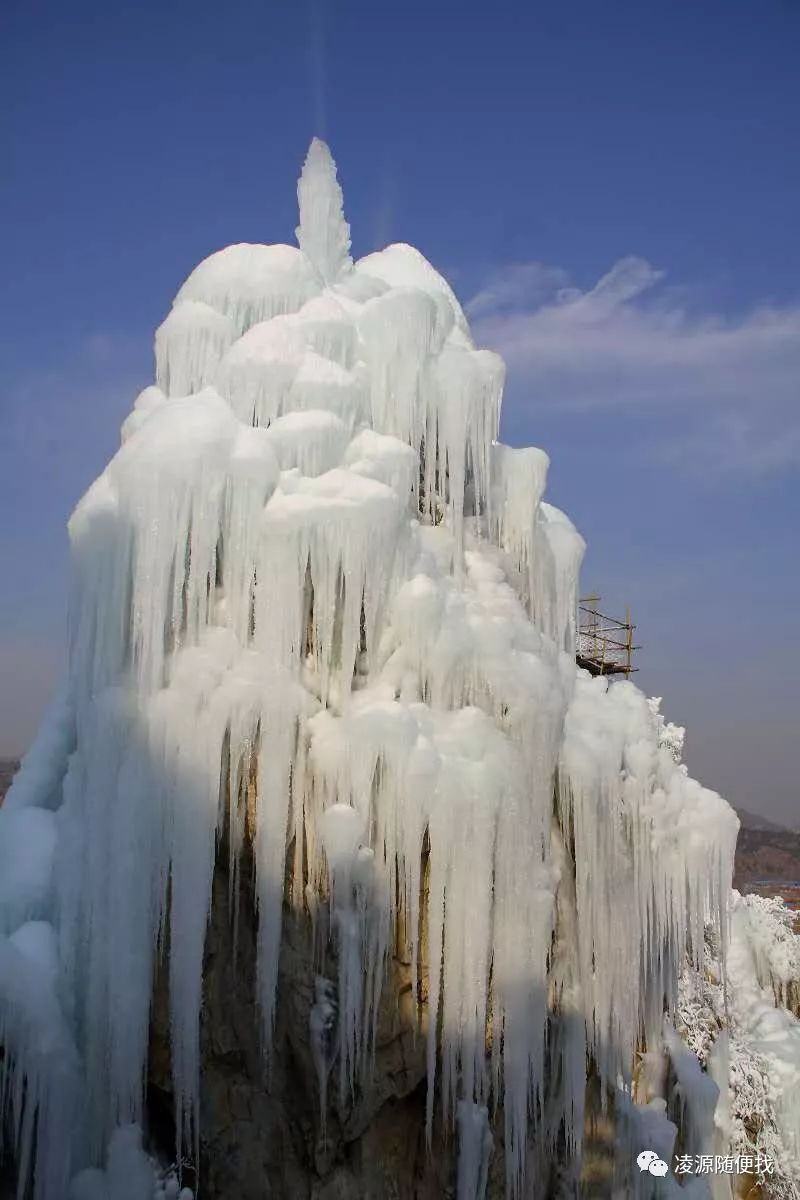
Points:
x=323, y=234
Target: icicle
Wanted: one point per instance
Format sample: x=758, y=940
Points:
x=342, y=829
x=328, y=329
x=518, y=479
x=397, y=331
x=771, y=1034
x=555, y=594
x=280, y=711
x=312, y=441
x=189, y=344
x=475, y=1146
x=463, y=396
x=253, y=476
x=323, y=234
x=273, y=370
x=39, y=1073
x=696, y=1092
x=473, y=784
x=385, y=459
x=27, y=847
x=251, y=283
x=322, y=1024
x=346, y=529
x=400, y=265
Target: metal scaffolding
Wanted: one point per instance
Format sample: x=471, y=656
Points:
x=605, y=644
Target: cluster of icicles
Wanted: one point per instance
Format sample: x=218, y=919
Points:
x=313, y=573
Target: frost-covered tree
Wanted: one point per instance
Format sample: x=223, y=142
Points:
x=743, y=1010
x=671, y=736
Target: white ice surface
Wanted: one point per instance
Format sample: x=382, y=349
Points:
x=312, y=585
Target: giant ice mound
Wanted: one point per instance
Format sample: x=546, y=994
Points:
x=312, y=571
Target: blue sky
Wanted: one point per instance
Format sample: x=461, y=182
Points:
x=612, y=190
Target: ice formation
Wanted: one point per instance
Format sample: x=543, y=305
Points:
x=311, y=575
x=740, y=1026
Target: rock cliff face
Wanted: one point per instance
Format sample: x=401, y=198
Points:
x=261, y=1128
x=263, y=1132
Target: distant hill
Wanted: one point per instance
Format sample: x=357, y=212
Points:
x=8, y=767
x=767, y=858
x=771, y=855
x=754, y=821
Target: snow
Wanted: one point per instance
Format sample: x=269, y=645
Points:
x=400, y=266
x=317, y=604
x=312, y=441
x=189, y=344
x=648, y=839
x=251, y=283
x=766, y=925
x=671, y=736
x=734, y=1022
x=146, y=402
x=386, y=459
x=328, y=327
x=697, y=1094
x=761, y=955
x=275, y=369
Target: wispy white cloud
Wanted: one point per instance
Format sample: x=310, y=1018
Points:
x=731, y=384
x=518, y=284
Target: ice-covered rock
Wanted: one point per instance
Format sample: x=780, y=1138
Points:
x=323, y=619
